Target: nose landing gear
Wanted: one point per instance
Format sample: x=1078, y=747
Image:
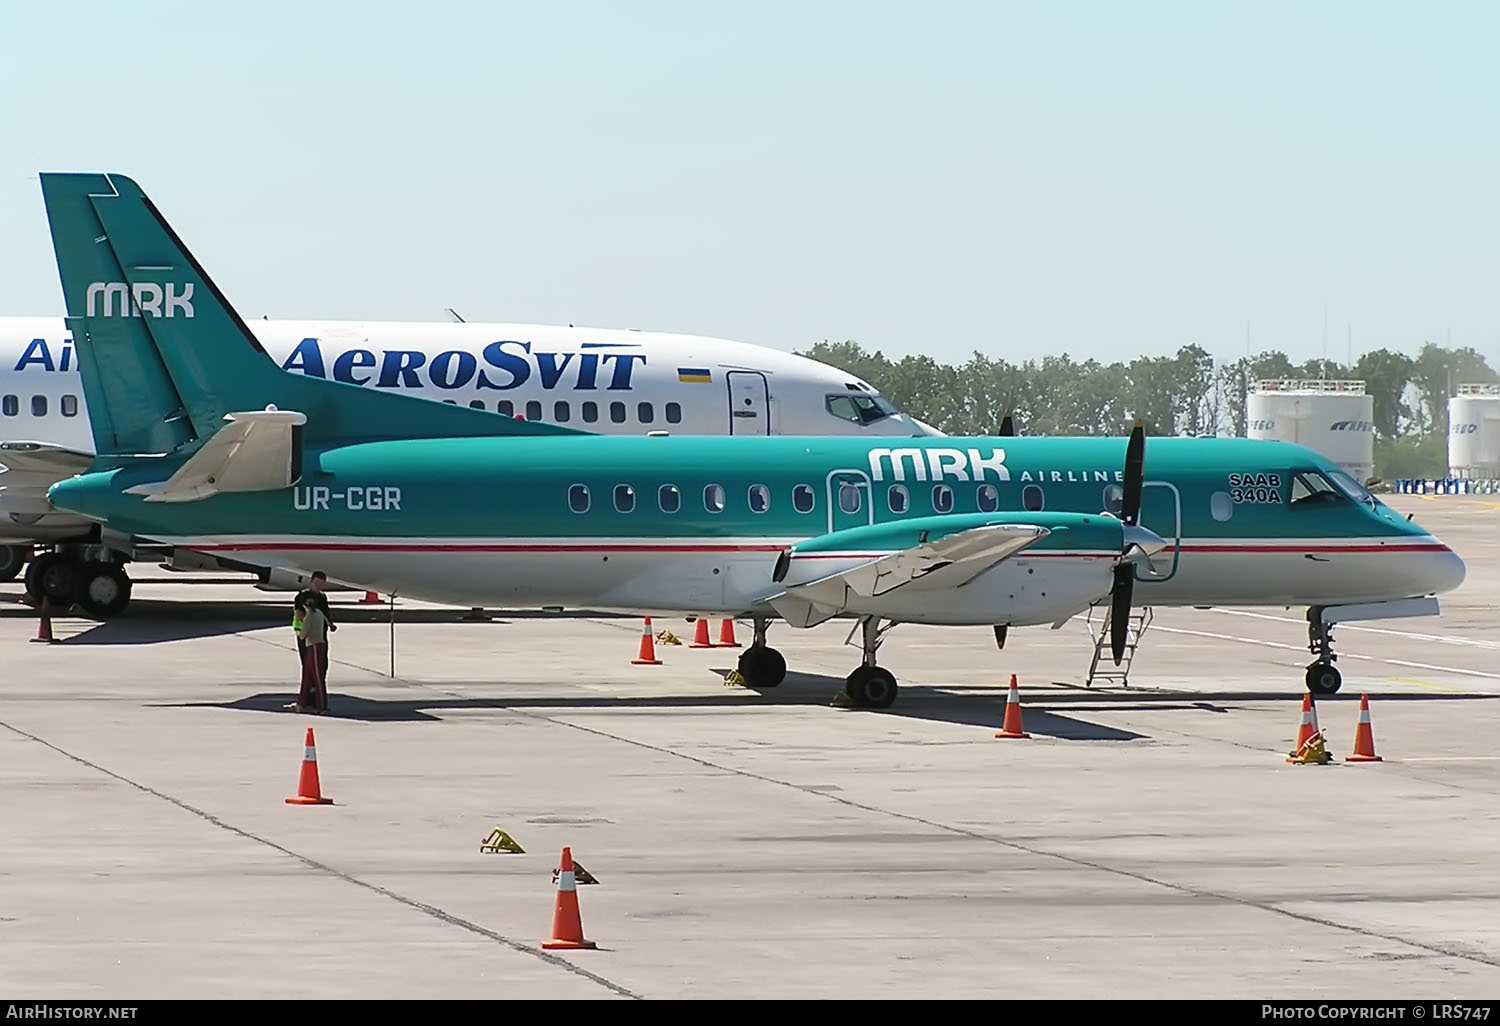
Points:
x=1322, y=677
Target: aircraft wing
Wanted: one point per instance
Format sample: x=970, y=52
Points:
x=28, y=459
x=950, y=562
x=257, y=451
x=28, y=469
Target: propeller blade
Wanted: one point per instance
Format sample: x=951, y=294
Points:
x=1119, y=609
x=1007, y=426
x=1135, y=457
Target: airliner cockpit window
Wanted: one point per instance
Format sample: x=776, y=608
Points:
x=1310, y=488
x=859, y=408
x=1352, y=488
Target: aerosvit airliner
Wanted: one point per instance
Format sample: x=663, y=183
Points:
x=604, y=381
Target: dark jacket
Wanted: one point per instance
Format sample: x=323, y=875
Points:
x=318, y=600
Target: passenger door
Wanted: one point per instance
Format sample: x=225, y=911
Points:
x=1161, y=511
x=749, y=403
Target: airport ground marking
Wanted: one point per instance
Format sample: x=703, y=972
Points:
x=323, y=867
x=978, y=835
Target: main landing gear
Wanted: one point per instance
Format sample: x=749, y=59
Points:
x=1322, y=677
x=761, y=665
x=871, y=686
x=98, y=587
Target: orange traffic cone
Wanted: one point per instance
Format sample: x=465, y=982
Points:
x=44, y=626
x=370, y=599
x=726, y=634
x=1308, y=728
x=308, y=790
x=700, y=636
x=1364, y=736
x=647, y=656
x=1012, y=725
x=567, y=925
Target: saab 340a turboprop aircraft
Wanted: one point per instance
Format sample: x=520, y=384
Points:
x=205, y=442
x=605, y=381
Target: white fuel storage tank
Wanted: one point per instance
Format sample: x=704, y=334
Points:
x=1474, y=432
x=1332, y=418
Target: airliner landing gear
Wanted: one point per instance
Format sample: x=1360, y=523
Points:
x=1322, y=677
x=101, y=589
x=12, y=557
x=98, y=587
x=871, y=686
x=761, y=665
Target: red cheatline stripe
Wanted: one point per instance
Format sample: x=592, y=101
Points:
x=462, y=547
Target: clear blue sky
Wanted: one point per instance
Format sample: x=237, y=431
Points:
x=1101, y=179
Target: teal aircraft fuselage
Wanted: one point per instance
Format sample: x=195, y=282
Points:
x=205, y=444
x=696, y=525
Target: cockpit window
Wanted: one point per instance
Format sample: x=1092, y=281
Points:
x=1351, y=488
x=861, y=409
x=1311, y=488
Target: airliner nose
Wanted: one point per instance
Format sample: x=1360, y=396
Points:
x=1441, y=569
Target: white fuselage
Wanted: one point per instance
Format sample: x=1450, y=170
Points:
x=602, y=380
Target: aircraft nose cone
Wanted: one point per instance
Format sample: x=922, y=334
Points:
x=1143, y=538
x=1442, y=569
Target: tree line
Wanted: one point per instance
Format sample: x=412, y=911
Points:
x=1190, y=393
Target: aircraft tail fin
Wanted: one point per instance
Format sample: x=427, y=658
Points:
x=166, y=360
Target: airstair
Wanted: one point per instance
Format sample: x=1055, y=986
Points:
x=1103, y=666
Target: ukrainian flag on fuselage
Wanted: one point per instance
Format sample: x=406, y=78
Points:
x=694, y=374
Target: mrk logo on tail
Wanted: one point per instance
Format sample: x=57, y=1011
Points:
x=117, y=299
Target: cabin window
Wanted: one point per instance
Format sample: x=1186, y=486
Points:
x=474, y=404
x=713, y=498
x=590, y=412
x=504, y=408
x=70, y=406
x=848, y=498
x=760, y=498
x=534, y=410
x=560, y=410
x=898, y=499
x=1032, y=499
x=451, y=402
x=617, y=412
x=38, y=406
x=674, y=413
x=803, y=498
x=942, y=499
x=11, y=405
x=1114, y=499
x=624, y=499
x=645, y=413
x=578, y=498
x=669, y=498
x=989, y=498
x=1220, y=506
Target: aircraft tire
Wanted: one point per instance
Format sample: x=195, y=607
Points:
x=101, y=589
x=1323, y=679
x=762, y=667
x=871, y=687
x=52, y=575
x=12, y=559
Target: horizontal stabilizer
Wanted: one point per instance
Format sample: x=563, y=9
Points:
x=257, y=451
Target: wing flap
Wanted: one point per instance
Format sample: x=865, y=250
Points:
x=257, y=451
x=949, y=562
